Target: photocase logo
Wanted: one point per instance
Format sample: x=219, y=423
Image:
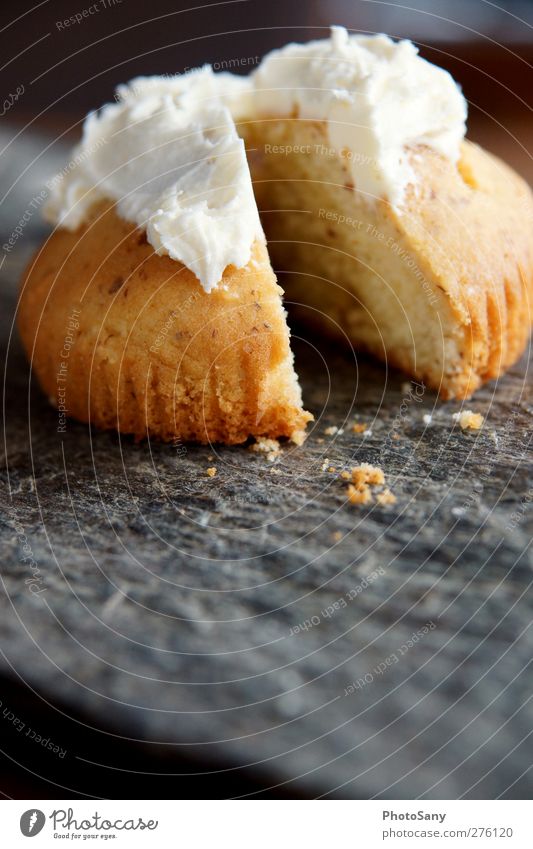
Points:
x=32, y=822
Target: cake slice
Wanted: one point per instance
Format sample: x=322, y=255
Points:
x=126, y=339
x=179, y=328
x=397, y=236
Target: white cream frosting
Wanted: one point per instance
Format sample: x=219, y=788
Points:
x=377, y=96
x=168, y=151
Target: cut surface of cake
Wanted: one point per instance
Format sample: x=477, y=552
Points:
x=442, y=291
x=394, y=234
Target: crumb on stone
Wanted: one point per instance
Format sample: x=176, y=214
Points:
x=358, y=427
x=325, y=464
x=367, y=474
x=298, y=437
x=362, y=478
x=263, y=445
x=211, y=471
x=332, y=469
x=469, y=420
x=331, y=431
x=386, y=497
x=359, y=494
x=336, y=536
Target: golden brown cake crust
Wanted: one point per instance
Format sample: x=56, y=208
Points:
x=474, y=226
x=152, y=353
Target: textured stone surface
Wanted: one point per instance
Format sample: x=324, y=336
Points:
x=169, y=600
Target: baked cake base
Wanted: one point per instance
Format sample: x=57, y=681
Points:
x=125, y=339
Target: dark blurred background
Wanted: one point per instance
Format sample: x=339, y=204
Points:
x=70, y=66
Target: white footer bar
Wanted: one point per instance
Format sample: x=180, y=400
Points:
x=264, y=824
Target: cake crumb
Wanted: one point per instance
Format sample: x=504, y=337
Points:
x=211, y=471
x=320, y=440
x=367, y=474
x=359, y=494
x=263, y=445
x=469, y=420
x=336, y=536
x=332, y=469
x=362, y=478
x=358, y=427
x=395, y=436
x=298, y=437
x=427, y=418
x=386, y=497
x=324, y=465
x=331, y=430
x=269, y=447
